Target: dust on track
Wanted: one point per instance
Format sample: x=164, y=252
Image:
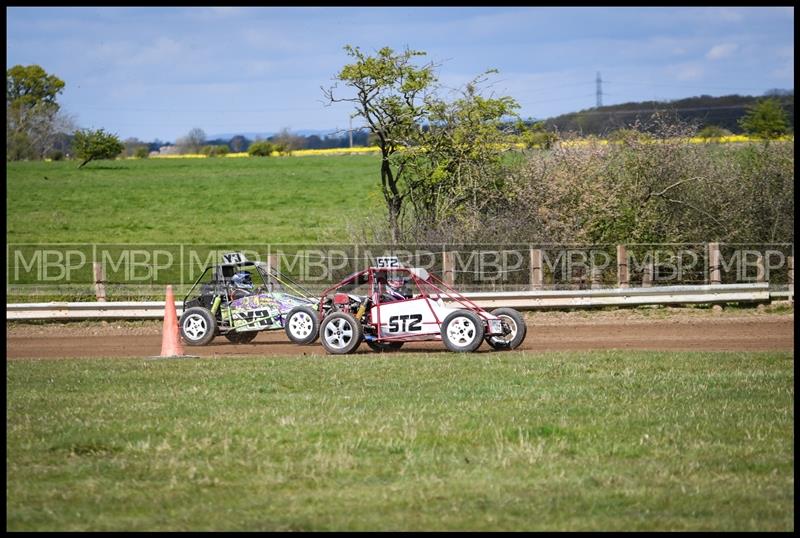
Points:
x=547, y=331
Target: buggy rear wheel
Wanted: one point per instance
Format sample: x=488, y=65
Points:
x=515, y=323
x=302, y=325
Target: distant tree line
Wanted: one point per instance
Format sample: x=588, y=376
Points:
x=292, y=141
x=722, y=112
x=713, y=117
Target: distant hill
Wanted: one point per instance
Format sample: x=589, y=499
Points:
x=704, y=110
x=265, y=135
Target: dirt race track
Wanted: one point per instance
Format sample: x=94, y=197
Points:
x=546, y=332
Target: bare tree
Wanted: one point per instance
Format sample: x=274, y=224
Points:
x=286, y=142
x=192, y=141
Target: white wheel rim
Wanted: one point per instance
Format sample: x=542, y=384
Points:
x=461, y=331
x=509, y=337
x=195, y=326
x=338, y=333
x=301, y=325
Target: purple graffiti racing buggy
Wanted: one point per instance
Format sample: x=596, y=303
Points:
x=238, y=299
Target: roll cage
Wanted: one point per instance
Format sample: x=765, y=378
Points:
x=220, y=283
x=427, y=285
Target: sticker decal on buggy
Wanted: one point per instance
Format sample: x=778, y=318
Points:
x=388, y=261
x=253, y=319
x=405, y=323
x=234, y=257
x=258, y=312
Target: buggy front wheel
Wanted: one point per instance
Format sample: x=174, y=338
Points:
x=462, y=331
x=340, y=333
x=198, y=326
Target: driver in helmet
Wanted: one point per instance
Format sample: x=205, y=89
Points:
x=394, y=289
x=242, y=283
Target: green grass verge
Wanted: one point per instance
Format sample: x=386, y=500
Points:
x=436, y=441
x=268, y=200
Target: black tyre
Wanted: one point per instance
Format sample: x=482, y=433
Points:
x=462, y=331
x=302, y=325
x=340, y=333
x=198, y=326
x=515, y=323
x=384, y=347
x=241, y=338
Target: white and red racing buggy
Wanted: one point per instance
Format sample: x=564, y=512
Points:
x=388, y=305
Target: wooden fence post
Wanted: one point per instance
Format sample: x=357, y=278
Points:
x=597, y=278
x=790, y=260
x=715, y=276
x=760, y=274
x=272, y=261
x=536, y=269
x=448, y=270
x=99, y=282
x=623, y=280
x=647, y=275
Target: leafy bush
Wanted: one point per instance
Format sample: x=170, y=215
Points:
x=260, y=148
x=713, y=131
x=55, y=155
x=536, y=136
x=766, y=119
x=541, y=140
x=214, y=151
x=90, y=145
x=141, y=153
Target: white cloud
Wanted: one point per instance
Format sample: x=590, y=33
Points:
x=686, y=71
x=721, y=51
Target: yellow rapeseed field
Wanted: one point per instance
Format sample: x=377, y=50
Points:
x=374, y=149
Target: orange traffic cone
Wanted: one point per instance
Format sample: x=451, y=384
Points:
x=170, y=341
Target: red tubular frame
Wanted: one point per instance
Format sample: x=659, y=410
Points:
x=432, y=283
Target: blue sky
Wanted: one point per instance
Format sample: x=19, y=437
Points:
x=159, y=72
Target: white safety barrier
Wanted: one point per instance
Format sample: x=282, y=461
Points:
x=522, y=300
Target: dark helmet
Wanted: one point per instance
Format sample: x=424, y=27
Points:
x=395, y=287
x=242, y=280
x=396, y=282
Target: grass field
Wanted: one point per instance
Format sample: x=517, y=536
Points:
x=251, y=200
x=437, y=441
